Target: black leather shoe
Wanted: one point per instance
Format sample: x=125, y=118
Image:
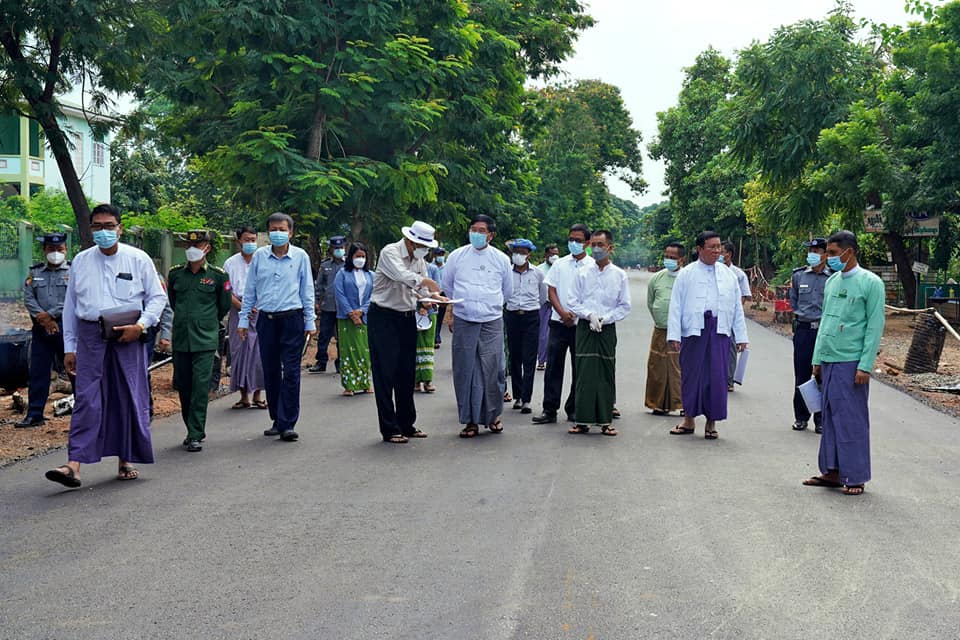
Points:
x=192, y=445
x=525, y=409
x=28, y=422
x=317, y=368
x=545, y=418
x=271, y=432
x=290, y=436
x=517, y=405
x=800, y=425
x=818, y=428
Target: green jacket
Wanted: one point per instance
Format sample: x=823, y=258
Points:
x=199, y=301
x=658, y=297
x=852, y=321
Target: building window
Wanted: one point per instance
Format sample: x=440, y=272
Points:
x=99, y=154
x=3, y=164
x=35, y=139
x=10, y=135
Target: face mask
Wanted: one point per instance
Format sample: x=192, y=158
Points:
x=519, y=259
x=440, y=259
x=339, y=253
x=599, y=254
x=670, y=264
x=279, y=238
x=56, y=258
x=552, y=259
x=105, y=238
x=194, y=254
x=722, y=259
x=359, y=262
x=813, y=259
x=575, y=248
x=835, y=263
x=420, y=252
x=478, y=239
x=248, y=247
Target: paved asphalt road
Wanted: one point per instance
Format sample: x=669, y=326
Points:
x=530, y=534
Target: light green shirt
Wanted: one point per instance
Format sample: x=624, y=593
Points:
x=658, y=297
x=852, y=321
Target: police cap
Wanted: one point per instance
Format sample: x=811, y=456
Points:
x=816, y=243
x=198, y=235
x=53, y=238
x=337, y=242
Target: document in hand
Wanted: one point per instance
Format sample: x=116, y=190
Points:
x=741, y=367
x=812, y=397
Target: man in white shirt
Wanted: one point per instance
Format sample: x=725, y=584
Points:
x=563, y=326
x=743, y=281
x=109, y=283
x=480, y=276
x=522, y=320
x=550, y=255
x=705, y=311
x=600, y=298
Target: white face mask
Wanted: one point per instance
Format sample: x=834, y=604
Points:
x=359, y=262
x=56, y=258
x=420, y=252
x=519, y=259
x=552, y=259
x=194, y=254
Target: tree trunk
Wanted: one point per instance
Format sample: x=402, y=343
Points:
x=71, y=181
x=898, y=251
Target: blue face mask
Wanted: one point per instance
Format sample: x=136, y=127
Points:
x=670, y=264
x=575, y=248
x=248, y=247
x=600, y=254
x=478, y=239
x=279, y=238
x=722, y=259
x=339, y=253
x=835, y=263
x=813, y=259
x=439, y=259
x=105, y=238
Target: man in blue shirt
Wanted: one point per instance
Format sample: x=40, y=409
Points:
x=280, y=287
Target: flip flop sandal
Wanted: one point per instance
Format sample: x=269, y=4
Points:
x=616, y=414
x=469, y=431
x=429, y=388
x=128, y=472
x=67, y=478
x=259, y=404
x=398, y=439
x=417, y=434
x=680, y=430
x=852, y=490
x=607, y=430
x=580, y=428
x=820, y=481
x=710, y=435
x=240, y=404
x=496, y=427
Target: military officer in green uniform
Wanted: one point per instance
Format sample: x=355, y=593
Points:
x=43, y=294
x=200, y=296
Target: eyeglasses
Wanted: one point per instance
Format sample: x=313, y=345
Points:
x=110, y=226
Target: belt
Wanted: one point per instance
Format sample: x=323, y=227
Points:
x=809, y=325
x=276, y=315
x=521, y=312
x=402, y=314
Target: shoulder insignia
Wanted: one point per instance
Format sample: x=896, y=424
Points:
x=38, y=265
x=226, y=285
x=798, y=269
x=216, y=269
x=178, y=266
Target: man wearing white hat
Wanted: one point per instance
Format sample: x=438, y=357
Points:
x=401, y=280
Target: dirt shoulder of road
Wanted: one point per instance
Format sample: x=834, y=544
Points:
x=897, y=336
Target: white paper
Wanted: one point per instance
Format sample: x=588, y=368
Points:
x=424, y=322
x=812, y=397
x=741, y=366
x=435, y=301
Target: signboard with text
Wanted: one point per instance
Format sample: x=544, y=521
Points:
x=917, y=225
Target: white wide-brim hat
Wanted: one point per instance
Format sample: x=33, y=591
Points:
x=421, y=233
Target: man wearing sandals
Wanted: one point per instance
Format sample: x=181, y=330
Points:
x=600, y=298
x=705, y=309
x=843, y=357
x=200, y=296
x=480, y=276
x=111, y=416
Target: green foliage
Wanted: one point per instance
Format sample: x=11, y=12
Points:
x=166, y=217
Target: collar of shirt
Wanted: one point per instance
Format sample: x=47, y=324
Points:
x=851, y=273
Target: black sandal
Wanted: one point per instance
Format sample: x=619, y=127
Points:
x=607, y=430
x=469, y=431
x=67, y=478
x=397, y=439
x=496, y=427
x=579, y=428
x=127, y=472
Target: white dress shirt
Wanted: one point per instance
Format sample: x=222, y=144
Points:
x=360, y=277
x=743, y=280
x=693, y=294
x=237, y=269
x=605, y=292
x=561, y=277
x=481, y=278
x=528, y=291
x=99, y=282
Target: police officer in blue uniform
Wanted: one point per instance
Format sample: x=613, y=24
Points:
x=326, y=302
x=43, y=293
x=806, y=299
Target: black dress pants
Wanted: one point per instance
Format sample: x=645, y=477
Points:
x=523, y=335
x=561, y=339
x=392, y=336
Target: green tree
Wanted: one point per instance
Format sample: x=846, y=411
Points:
x=46, y=48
